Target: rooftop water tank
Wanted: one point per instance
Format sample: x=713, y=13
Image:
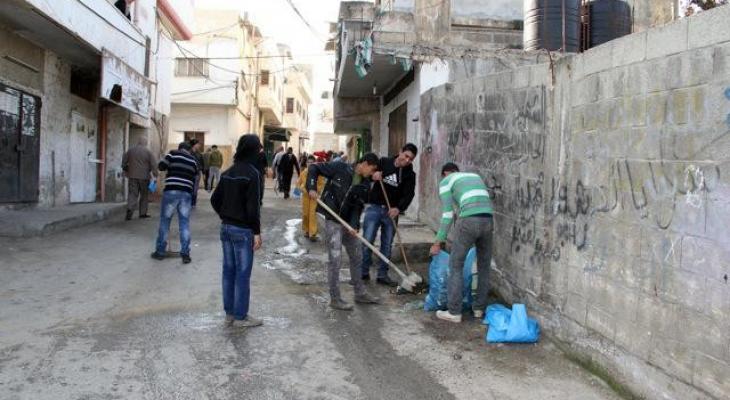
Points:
x=609, y=19
x=550, y=24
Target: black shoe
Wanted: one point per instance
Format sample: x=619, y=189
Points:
x=157, y=256
x=387, y=282
x=129, y=215
x=144, y=216
x=186, y=259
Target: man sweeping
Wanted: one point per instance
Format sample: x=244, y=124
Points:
x=344, y=193
x=473, y=226
x=399, y=182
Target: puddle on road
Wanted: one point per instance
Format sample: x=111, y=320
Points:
x=297, y=273
x=292, y=248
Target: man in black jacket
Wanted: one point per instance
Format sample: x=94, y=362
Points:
x=237, y=199
x=399, y=180
x=287, y=165
x=344, y=193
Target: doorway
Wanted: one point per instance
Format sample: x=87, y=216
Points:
x=397, y=127
x=197, y=135
x=84, y=162
x=20, y=123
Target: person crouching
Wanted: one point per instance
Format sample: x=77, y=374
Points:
x=345, y=193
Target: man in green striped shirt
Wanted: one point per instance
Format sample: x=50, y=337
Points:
x=473, y=227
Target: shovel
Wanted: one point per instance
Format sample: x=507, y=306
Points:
x=408, y=282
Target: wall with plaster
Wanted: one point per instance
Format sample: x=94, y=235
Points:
x=611, y=180
x=491, y=9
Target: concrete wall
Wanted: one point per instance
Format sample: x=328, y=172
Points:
x=492, y=9
x=116, y=144
x=55, y=154
x=611, y=179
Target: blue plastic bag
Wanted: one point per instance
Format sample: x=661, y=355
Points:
x=152, y=186
x=297, y=193
x=438, y=272
x=510, y=326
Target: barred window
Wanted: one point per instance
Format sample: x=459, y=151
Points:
x=191, y=67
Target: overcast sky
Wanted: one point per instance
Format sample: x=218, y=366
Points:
x=277, y=19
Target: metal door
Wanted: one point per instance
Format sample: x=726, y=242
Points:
x=19, y=145
x=82, y=177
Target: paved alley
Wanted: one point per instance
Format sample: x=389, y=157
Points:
x=86, y=314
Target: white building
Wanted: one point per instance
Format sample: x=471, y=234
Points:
x=297, y=103
x=215, y=83
x=79, y=80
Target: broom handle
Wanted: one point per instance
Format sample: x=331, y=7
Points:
x=362, y=239
x=395, y=225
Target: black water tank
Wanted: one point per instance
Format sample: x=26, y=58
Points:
x=610, y=19
x=544, y=24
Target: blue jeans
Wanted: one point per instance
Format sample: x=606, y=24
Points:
x=376, y=217
x=180, y=201
x=237, y=263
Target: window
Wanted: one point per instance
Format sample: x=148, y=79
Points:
x=264, y=77
x=191, y=67
x=289, y=105
x=84, y=85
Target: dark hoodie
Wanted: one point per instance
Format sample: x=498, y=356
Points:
x=236, y=199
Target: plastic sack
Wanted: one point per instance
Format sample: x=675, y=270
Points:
x=438, y=272
x=510, y=326
x=152, y=186
x=297, y=193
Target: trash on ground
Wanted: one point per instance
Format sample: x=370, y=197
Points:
x=510, y=326
x=438, y=272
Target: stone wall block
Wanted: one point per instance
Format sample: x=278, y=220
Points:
x=709, y=27
x=673, y=355
x=679, y=107
x=629, y=49
x=596, y=58
x=705, y=257
x=668, y=39
x=602, y=322
x=712, y=376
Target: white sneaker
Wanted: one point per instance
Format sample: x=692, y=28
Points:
x=478, y=314
x=447, y=316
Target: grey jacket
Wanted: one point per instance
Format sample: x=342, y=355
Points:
x=139, y=162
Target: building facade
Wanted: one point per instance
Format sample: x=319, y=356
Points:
x=381, y=73
x=215, y=82
x=79, y=81
x=297, y=105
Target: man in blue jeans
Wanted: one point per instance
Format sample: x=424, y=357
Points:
x=397, y=176
x=237, y=201
x=181, y=168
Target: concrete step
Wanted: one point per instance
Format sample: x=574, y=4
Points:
x=27, y=222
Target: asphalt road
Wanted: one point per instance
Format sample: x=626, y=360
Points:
x=87, y=314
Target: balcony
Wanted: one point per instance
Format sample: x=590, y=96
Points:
x=270, y=106
x=77, y=30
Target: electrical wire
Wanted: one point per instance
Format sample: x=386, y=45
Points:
x=311, y=28
x=224, y=28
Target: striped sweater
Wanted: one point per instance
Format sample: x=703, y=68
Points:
x=470, y=194
x=181, y=168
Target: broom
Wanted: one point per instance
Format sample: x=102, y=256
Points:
x=397, y=232
x=408, y=282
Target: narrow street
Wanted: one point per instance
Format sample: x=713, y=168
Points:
x=86, y=314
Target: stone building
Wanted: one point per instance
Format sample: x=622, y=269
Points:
x=79, y=81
